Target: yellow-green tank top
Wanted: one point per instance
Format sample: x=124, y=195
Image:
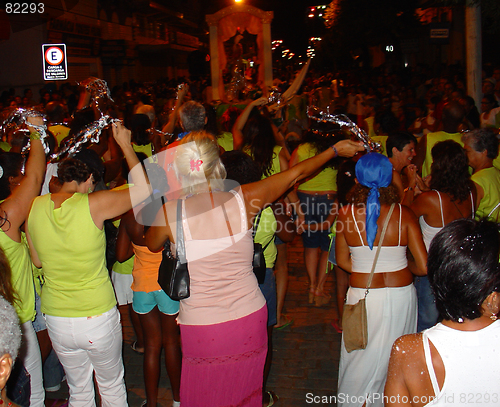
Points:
x=71, y=249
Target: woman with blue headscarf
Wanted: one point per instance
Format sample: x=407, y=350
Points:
x=391, y=302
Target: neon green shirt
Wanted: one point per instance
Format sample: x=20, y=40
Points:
x=433, y=138
x=146, y=149
x=265, y=232
x=127, y=266
x=225, y=140
x=71, y=249
x=22, y=275
x=326, y=180
x=489, y=180
x=382, y=141
x=275, y=165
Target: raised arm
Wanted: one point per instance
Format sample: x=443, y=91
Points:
x=170, y=126
x=109, y=204
x=17, y=205
x=242, y=119
x=259, y=194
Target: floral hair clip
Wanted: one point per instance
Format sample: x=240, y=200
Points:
x=195, y=164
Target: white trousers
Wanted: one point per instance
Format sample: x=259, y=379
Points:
x=32, y=360
x=390, y=312
x=87, y=345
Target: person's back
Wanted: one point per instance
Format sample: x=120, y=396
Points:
x=472, y=355
x=219, y=253
x=456, y=361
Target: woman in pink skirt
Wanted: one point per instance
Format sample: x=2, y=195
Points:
x=223, y=322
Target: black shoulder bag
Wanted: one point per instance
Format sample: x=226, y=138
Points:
x=173, y=274
x=259, y=261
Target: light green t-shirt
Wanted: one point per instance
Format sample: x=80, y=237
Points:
x=275, y=165
x=225, y=140
x=326, y=180
x=146, y=149
x=382, y=140
x=71, y=249
x=22, y=275
x=489, y=180
x=265, y=233
x=433, y=138
x=127, y=266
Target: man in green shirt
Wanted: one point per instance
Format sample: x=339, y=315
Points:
x=481, y=146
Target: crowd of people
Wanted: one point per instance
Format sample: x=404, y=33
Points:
x=84, y=234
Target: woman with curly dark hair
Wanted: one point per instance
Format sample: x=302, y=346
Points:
x=452, y=196
x=391, y=302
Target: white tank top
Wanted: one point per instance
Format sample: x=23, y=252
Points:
x=428, y=232
x=391, y=258
x=472, y=364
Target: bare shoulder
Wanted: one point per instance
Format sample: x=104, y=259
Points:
x=407, y=345
x=344, y=212
x=407, y=215
x=406, y=351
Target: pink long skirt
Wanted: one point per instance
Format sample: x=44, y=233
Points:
x=223, y=364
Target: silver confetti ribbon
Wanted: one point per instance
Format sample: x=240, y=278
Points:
x=342, y=120
x=89, y=133
x=17, y=118
x=99, y=92
x=275, y=97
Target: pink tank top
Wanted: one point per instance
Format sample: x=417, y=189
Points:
x=223, y=285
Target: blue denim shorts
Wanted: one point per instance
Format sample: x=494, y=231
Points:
x=316, y=209
x=268, y=288
x=145, y=302
x=39, y=321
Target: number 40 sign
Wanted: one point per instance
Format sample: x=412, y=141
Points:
x=54, y=62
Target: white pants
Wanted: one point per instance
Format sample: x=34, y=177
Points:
x=32, y=360
x=390, y=313
x=86, y=345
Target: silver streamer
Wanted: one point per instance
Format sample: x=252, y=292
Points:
x=89, y=133
x=275, y=97
x=18, y=118
x=342, y=120
x=100, y=93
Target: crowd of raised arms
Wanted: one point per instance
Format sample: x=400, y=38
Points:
x=411, y=228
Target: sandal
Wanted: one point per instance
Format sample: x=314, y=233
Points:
x=273, y=399
x=336, y=326
x=288, y=321
x=136, y=349
x=321, y=298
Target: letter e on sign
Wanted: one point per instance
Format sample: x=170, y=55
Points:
x=54, y=56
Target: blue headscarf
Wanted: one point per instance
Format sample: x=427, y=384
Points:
x=374, y=171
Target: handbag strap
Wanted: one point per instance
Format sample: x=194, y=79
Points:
x=226, y=217
x=179, y=244
x=386, y=223
x=256, y=224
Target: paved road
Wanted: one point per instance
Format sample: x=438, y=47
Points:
x=305, y=358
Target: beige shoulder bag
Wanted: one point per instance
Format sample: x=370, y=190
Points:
x=354, y=323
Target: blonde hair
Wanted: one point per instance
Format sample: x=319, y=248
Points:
x=197, y=161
